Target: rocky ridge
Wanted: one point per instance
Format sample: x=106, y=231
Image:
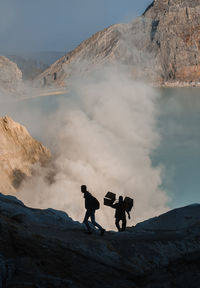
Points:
x=113, y=45
x=161, y=45
x=18, y=152
x=46, y=248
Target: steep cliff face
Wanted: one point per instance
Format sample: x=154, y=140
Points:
x=18, y=152
x=162, y=45
x=46, y=248
x=10, y=76
x=175, y=37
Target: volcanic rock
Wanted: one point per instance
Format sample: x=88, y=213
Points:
x=46, y=248
x=175, y=38
x=18, y=152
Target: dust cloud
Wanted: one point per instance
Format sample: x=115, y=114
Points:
x=102, y=135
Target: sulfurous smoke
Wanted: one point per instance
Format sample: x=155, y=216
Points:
x=101, y=135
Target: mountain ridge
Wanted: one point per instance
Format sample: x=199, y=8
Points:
x=165, y=37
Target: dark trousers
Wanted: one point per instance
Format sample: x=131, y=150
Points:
x=123, y=224
x=91, y=214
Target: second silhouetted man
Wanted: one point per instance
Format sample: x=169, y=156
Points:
x=120, y=214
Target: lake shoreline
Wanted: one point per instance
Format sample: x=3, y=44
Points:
x=177, y=84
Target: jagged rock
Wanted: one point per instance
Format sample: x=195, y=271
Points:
x=48, y=249
x=162, y=45
x=10, y=76
x=175, y=38
x=18, y=152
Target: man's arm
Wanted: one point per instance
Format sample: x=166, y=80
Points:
x=113, y=205
x=129, y=217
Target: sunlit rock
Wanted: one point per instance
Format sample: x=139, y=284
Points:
x=18, y=152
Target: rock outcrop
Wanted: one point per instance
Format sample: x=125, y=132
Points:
x=10, y=76
x=46, y=248
x=162, y=45
x=18, y=152
x=175, y=38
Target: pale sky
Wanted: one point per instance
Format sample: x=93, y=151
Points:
x=59, y=25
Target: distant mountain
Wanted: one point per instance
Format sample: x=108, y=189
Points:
x=163, y=45
x=10, y=76
x=46, y=248
x=18, y=152
x=33, y=64
x=45, y=57
x=30, y=67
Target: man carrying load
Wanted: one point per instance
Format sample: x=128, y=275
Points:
x=120, y=214
x=122, y=207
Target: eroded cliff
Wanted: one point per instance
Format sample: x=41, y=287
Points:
x=175, y=38
x=18, y=152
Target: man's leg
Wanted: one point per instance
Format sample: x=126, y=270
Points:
x=95, y=223
x=117, y=224
x=85, y=221
x=123, y=224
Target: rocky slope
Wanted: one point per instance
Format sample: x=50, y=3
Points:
x=45, y=248
x=113, y=45
x=10, y=76
x=162, y=45
x=18, y=152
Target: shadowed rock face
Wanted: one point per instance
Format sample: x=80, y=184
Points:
x=46, y=248
x=18, y=152
x=162, y=45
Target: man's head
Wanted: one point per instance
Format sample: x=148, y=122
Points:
x=120, y=198
x=83, y=188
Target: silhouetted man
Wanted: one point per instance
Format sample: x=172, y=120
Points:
x=120, y=214
x=90, y=210
x=44, y=81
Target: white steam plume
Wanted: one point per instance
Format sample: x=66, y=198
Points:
x=102, y=136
